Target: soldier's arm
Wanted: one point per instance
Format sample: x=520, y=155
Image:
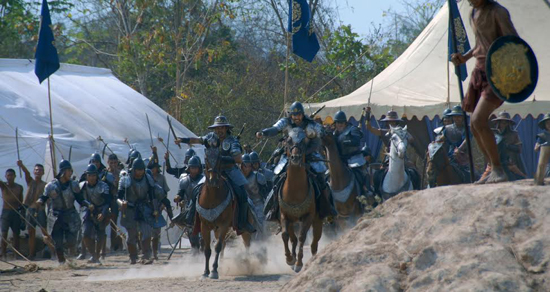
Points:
x=168, y=206
x=504, y=22
x=190, y=140
x=28, y=177
x=516, y=145
x=274, y=130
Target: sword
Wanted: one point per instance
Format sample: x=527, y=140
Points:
x=105, y=145
x=241, y=131
x=17, y=145
x=176, y=245
x=71, y=152
x=172, y=129
x=150, y=134
x=317, y=111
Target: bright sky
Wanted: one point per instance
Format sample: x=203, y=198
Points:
x=362, y=13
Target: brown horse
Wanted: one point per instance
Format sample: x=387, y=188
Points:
x=343, y=183
x=216, y=199
x=297, y=202
x=440, y=171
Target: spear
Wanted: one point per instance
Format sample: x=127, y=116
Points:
x=166, y=146
x=17, y=144
x=70, y=152
x=150, y=133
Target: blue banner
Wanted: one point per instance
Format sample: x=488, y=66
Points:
x=457, y=33
x=304, y=39
x=47, y=61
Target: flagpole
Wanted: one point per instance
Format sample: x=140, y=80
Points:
x=286, y=70
x=461, y=92
x=51, y=131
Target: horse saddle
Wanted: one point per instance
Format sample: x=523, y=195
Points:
x=433, y=148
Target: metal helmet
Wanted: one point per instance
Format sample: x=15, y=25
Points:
x=138, y=164
x=95, y=157
x=132, y=154
x=246, y=159
x=92, y=169
x=254, y=157
x=446, y=113
x=220, y=121
x=340, y=116
x=64, y=165
x=194, y=161
x=456, y=111
x=366, y=151
x=190, y=153
x=296, y=108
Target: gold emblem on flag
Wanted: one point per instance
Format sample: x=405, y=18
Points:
x=511, y=69
x=460, y=35
x=296, y=16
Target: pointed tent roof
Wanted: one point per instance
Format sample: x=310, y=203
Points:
x=87, y=102
x=415, y=84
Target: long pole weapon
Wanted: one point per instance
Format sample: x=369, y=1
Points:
x=461, y=92
x=176, y=245
x=150, y=133
x=172, y=130
x=17, y=144
x=70, y=152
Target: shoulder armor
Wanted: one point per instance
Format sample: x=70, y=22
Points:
x=183, y=175
x=260, y=178
x=124, y=182
x=235, y=145
x=104, y=187
x=75, y=187
x=50, y=187
x=150, y=180
x=81, y=184
x=313, y=130
x=109, y=178
x=184, y=182
x=123, y=173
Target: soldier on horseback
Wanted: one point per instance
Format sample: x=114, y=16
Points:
x=509, y=146
x=392, y=120
x=185, y=196
x=231, y=154
x=348, y=140
x=313, y=132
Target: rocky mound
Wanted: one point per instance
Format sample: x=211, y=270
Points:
x=460, y=238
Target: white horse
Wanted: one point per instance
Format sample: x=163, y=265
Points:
x=397, y=180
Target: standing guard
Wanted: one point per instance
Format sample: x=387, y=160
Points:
x=136, y=195
x=185, y=197
x=313, y=131
x=230, y=155
x=96, y=219
x=509, y=146
x=348, y=140
x=12, y=194
x=63, y=219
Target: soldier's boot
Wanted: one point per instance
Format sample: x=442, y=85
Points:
x=82, y=255
x=242, y=221
x=60, y=256
x=16, y=244
x=146, y=248
x=103, y=248
x=132, y=250
x=155, y=247
x=100, y=247
x=32, y=243
x=91, y=246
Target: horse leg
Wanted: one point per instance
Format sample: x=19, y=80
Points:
x=207, y=251
x=317, y=233
x=306, y=224
x=285, y=236
x=293, y=240
x=247, y=237
x=219, y=245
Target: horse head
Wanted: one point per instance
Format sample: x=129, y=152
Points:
x=328, y=136
x=295, y=146
x=212, y=161
x=399, y=138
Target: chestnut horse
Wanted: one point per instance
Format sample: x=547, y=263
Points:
x=297, y=201
x=216, y=200
x=440, y=171
x=344, y=186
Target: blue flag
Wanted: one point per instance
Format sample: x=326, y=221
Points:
x=304, y=39
x=457, y=33
x=47, y=61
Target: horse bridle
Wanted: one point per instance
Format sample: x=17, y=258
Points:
x=296, y=157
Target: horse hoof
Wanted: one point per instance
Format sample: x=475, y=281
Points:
x=297, y=269
x=205, y=275
x=214, y=275
x=291, y=262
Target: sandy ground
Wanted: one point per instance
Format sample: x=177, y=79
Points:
x=238, y=270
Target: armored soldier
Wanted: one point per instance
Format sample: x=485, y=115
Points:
x=160, y=180
x=348, y=141
x=509, y=146
x=63, y=219
x=257, y=166
x=256, y=187
x=446, y=120
x=137, y=192
x=178, y=171
x=313, y=131
x=455, y=134
x=12, y=194
x=96, y=219
x=115, y=167
x=36, y=214
x=230, y=154
x=185, y=196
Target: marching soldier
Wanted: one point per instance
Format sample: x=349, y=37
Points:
x=348, y=141
x=313, y=132
x=63, y=219
x=136, y=195
x=186, y=197
x=256, y=188
x=12, y=195
x=509, y=145
x=489, y=20
x=96, y=219
x=115, y=167
x=36, y=214
x=230, y=151
x=178, y=171
x=160, y=180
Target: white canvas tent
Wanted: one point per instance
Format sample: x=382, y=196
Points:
x=416, y=83
x=86, y=103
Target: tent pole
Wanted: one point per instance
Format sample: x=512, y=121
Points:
x=461, y=91
x=51, y=131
